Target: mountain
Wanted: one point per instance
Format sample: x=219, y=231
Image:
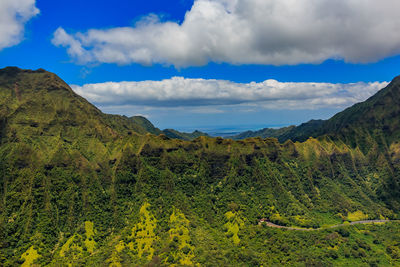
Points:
x=171, y=133
x=29, y=93
x=39, y=103
x=146, y=124
x=376, y=118
x=82, y=188
x=263, y=133
x=301, y=132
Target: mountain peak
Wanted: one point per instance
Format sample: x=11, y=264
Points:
x=12, y=70
x=25, y=81
x=42, y=99
x=374, y=119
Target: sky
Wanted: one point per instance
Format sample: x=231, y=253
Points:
x=207, y=64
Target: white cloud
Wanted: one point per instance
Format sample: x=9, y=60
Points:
x=277, y=32
x=74, y=46
x=201, y=93
x=13, y=16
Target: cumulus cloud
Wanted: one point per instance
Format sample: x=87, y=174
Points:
x=183, y=92
x=277, y=32
x=13, y=16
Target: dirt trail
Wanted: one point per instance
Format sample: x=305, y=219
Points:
x=270, y=224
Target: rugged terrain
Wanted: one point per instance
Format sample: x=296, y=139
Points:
x=85, y=188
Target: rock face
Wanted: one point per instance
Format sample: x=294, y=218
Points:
x=85, y=188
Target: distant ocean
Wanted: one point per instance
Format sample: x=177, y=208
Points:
x=228, y=130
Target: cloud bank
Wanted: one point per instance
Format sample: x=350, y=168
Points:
x=13, y=16
x=277, y=32
x=207, y=95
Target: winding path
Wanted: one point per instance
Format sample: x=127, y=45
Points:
x=270, y=224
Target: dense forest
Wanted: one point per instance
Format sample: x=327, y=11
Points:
x=79, y=187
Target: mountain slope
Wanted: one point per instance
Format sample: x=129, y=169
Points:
x=302, y=132
x=22, y=94
x=376, y=118
x=171, y=133
x=42, y=104
x=263, y=133
x=84, y=188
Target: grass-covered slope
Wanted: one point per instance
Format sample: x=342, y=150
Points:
x=263, y=133
x=83, y=188
x=374, y=119
x=41, y=100
x=171, y=133
x=302, y=132
x=38, y=103
x=146, y=124
x=377, y=118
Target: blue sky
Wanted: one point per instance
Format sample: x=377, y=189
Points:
x=318, y=58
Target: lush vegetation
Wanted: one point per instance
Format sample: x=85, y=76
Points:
x=81, y=187
x=264, y=133
x=171, y=133
x=374, y=120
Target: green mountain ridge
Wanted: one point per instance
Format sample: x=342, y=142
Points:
x=377, y=117
x=182, y=135
x=376, y=114
x=146, y=124
x=79, y=187
x=263, y=133
x=21, y=89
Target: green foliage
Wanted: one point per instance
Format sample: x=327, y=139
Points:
x=264, y=133
x=29, y=257
x=143, y=234
x=115, y=259
x=357, y=216
x=84, y=188
x=89, y=241
x=171, y=133
x=180, y=248
x=233, y=225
